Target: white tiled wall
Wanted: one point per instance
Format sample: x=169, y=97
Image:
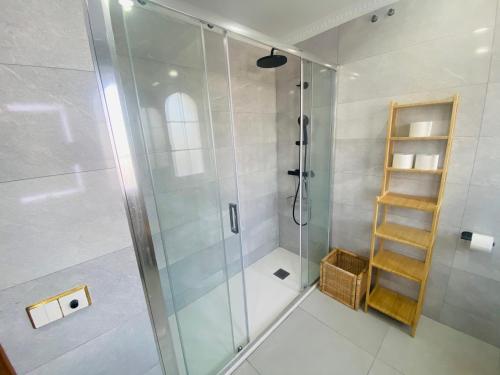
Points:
x=62, y=219
x=428, y=49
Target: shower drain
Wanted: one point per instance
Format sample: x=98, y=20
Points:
x=281, y=273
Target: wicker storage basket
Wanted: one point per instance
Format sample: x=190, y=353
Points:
x=343, y=276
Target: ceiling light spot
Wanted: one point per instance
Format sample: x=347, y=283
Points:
x=482, y=50
x=481, y=30
x=126, y=4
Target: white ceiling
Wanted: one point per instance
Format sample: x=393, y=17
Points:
x=289, y=21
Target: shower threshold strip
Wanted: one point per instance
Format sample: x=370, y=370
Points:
x=252, y=346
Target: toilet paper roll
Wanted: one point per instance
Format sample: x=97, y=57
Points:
x=420, y=129
x=481, y=242
x=427, y=162
x=402, y=161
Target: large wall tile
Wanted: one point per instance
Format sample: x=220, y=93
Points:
x=478, y=262
x=471, y=324
x=360, y=156
x=362, y=119
x=257, y=157
x=351, y=228
x=461, y=160
x=474, y=293
x=128, y=349
x=52, y=223
x=416, y=21
x=486, y=167
x=452, y=208
x=436, y=290
x=264, y=234
x=113, y=282
x=256, y=210
x=491, y=117
x=253, y=96
x=368, y=118
x=324, y=45
x=52, y=123
x=481, y=211
x=442, y=63
x=242, y=57
x=445, y=245
x=356, y=189
x=259, y=184
x=44, y=33
x=495, y=61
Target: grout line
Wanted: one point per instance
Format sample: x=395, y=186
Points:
x=58, y=174
x=470, y=182
x=143, y=312
x=270, y=330
x=251, y=365
x=411, y=93
x=378, y=351
x=69, y=267
x=335, y=331
x=152, y=367
x=418, y=43
x=47, y=67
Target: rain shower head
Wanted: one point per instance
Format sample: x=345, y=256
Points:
x=271, y=61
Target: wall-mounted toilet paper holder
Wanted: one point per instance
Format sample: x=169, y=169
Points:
x=470, y=236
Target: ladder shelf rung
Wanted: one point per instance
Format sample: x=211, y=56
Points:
x=421, y=171
x=406, y=235
x=395, y=305
x=400, y=265
x=409, y=201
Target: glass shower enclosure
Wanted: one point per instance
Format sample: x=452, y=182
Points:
x=225, y=169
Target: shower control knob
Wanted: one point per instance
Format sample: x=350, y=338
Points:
x=305, y=120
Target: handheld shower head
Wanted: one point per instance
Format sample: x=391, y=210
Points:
x=271, y=61
x=305, y=122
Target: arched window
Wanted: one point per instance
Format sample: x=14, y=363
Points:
x=184, y=134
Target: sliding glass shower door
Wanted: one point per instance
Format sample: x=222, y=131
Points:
x=174, y=79
x=166, y=86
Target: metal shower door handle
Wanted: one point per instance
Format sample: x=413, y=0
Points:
x=233, y=217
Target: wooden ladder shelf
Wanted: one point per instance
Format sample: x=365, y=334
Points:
x=398, y=306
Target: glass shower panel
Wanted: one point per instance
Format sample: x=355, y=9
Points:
x=221, y=115
x=265, y=108
x=319, y=109
x=168, y=63
x=306, y=175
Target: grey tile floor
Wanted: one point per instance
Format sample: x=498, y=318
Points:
x=323, y=336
